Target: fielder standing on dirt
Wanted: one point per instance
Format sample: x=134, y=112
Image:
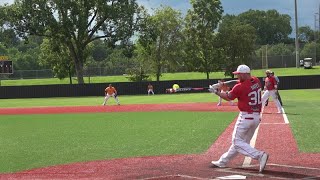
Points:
x=110, y=91
x=248, y=92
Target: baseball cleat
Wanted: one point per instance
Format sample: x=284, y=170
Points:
x=263, y=162
x=217, y=164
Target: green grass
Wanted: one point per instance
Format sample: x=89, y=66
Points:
x=96, y=101
x=42, y=140
x=164, y=77
x=302, y=108
x=30, y=141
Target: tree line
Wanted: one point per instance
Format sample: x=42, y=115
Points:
x=121, y=35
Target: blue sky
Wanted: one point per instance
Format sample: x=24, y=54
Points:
x=306, y=8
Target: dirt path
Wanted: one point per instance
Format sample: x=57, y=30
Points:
x=274, y=136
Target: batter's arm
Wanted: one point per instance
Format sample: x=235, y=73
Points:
x=223, y=95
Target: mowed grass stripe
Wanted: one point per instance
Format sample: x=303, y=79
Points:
x=97, y=101
x=42, y=140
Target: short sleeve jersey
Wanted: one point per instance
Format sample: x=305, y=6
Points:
x=270, y=82
x=110, y=90
x=277, y=79
x=150, y=86
x=248, y=94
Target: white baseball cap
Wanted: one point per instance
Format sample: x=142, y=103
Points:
x=242, y=69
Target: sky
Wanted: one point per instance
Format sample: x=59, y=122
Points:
x=306, y=8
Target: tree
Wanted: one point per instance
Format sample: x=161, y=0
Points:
x=311, y=50
x=237, y=41
x=161, y=36
x=271, y=26
x=281, y=49
x=306, y=34
x=201, y=22
x=141, y=69
x=8, y=37
x=3, y=50
x=57, y=57
x=74, y=24
x=99, y=51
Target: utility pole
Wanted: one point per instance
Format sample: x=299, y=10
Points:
x=315, y=37
x=297, y=40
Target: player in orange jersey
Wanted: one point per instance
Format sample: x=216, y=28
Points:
x=110, y=91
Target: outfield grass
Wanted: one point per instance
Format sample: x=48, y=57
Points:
x=97, y=101
x=302, y=108
x=164, y=77
x=42, y=140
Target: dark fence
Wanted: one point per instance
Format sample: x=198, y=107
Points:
x=135, y=88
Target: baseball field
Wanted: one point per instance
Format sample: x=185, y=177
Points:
x=77, y=137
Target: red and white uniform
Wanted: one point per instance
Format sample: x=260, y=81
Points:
x=271, y=90
x=248, y=94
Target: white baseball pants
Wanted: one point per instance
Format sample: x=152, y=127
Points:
x=274, y=96
x=242, y=134
x=150, y=91
x=108, y=96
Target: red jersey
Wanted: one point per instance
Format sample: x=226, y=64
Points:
x=248, y=94
x=270, y=82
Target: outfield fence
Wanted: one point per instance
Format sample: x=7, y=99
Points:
x=135, y=88
x=262, y=62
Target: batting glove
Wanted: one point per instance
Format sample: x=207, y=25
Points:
x=214, y=88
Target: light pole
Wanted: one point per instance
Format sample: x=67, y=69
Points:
x=315, y=36
x=296, y=40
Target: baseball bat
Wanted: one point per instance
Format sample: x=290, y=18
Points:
x=186, y=89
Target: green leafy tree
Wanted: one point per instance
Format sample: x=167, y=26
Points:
x=310, y=50
x=271, y=26
x=306, y=34
x=201, y=21
x=57, y=57
x=160, y=36
x=3, y=50
x=75, y=24
x=281, y=49
x=8, y=37
x=99, y=51
x=237, y=41
x=141, y=69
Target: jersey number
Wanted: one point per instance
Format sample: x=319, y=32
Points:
x=255, y=97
